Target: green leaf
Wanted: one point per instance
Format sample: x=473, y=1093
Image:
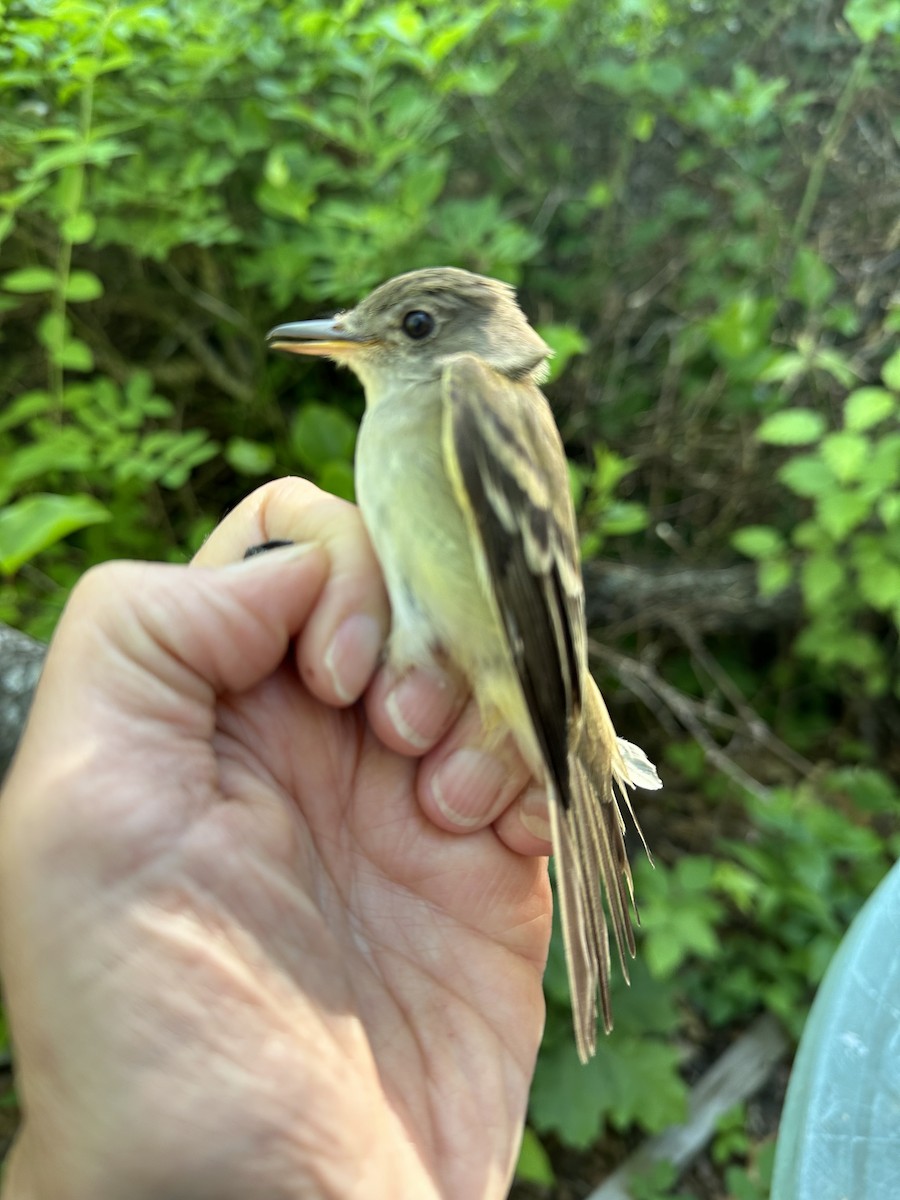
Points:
x=846, y=453
x=812, y=281
x=741, y=327
x=642, y=125
x=867, y=18
x=24, y=407
x=870, y=790
x=631, y=1080
x=678, y=914
x=99, y=152
x=889, y=509
x=37, y=522
x=620, y=518
x=881, y=588
x=83, y=285
x=534, y=1164
x=890, y=372
x=52, y=329
x=438, y=47
x=79, y=227
x=29, y=279
x=565, y=341
x=599, y=195
x=74, y=355
x=665, y=78
x=322, y=434
x=337, y=478
x=792, y=427
x=774, y=575
x=566, y=1098
x=867, y=406
x=835, y=363
x=820, y=577
x=785, y=367
x=806, y=475
x=758, y=541
x=248, y=457
x=809, y=535
x=842, y=512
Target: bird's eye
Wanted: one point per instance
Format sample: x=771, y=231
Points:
x=418, y=324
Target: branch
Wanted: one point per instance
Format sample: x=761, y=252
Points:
x=741, y=1071
x=624, y=599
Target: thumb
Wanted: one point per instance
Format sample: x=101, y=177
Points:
x=151, y=636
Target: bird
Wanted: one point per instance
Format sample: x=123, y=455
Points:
x=462, y=481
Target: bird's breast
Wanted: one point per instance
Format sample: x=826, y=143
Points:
x=420, y=536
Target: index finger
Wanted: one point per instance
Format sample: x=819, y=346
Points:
x=341, y=642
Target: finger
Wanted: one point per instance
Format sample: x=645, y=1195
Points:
x=467, y=781
x=411, y=710
x=525, y=825
x=225, y=629
x=341, y=642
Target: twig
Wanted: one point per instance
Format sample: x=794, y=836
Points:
x=828, y=146
x=212, y=304
x=631, y=672
x=741, y=1071
x=758, y=730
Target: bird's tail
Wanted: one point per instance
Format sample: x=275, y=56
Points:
x=592, y=864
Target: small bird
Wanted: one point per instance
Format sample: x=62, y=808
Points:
x=462, y=481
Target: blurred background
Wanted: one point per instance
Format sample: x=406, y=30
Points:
x=699, y=202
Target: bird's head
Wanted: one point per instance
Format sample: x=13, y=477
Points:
x=407, y=328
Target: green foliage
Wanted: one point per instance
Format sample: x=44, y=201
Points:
x=601, y=514
x=634, y=1078
x=323, y=440
x=37, y=521
x=701, y=226
x=98, y=456
x=314, y=164
x=656, y=1183
x=814, y=858
x=679, y=913
x=845, y=550
x=753, y=1181
x=751, y=1177
x=754, y=927
x=565, y=341
x=534, y=1164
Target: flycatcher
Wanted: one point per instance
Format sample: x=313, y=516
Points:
x=462, y=481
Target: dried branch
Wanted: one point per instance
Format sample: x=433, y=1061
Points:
x=739, y=1073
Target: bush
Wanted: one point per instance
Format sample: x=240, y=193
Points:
x=698, y=203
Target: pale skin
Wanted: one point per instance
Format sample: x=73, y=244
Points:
x=258, y=939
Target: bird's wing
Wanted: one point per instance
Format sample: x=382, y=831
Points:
x=506, y=463
x=507, y=466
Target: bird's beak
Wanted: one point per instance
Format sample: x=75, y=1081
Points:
x=324, y=338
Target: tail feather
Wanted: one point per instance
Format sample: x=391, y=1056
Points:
x=593, y=867
x=584, y=958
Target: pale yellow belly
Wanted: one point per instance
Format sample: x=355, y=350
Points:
x=439, y=605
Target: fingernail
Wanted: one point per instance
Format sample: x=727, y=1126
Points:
x=533, y=813
x=421, y=706
x=467, y=785
x=278, y=555
x=351, y=656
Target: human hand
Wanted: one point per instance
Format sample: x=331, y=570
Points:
x=247, y=951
